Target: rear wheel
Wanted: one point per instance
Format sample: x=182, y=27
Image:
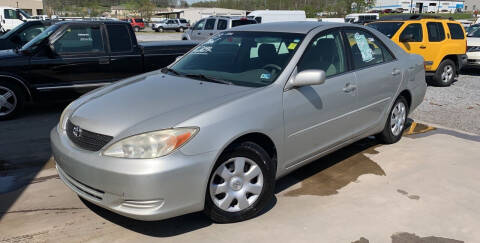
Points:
x=12, y=99
x=241, y=184
x=392, y=132
x=445, y=73
x=137, y=29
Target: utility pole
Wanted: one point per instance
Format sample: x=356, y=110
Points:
x=17, y=4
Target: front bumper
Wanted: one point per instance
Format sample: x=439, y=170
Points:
x=473, y=59
x=144, y=189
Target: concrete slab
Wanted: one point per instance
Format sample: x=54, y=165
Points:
x=423, y=189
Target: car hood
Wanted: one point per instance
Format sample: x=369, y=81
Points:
x=473, y=41
x=150, y=102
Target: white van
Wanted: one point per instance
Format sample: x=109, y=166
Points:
x=268, y=16
x=361, y=18
x=11, y=18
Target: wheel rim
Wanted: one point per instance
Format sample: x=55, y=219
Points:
x=397, y=118
x=236, y=184
x=8, y=101
x=447, y=73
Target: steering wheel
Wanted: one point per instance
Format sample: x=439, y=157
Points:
x=273, y=66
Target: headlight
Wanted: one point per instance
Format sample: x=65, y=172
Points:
x=473, y=48
x=62, y=124
x=151, y=144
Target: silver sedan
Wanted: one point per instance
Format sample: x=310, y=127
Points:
x=215, y=129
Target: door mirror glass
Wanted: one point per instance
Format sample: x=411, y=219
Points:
x=308, y=77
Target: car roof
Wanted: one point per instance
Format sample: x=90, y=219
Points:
x=92, y=22
x=301, y=27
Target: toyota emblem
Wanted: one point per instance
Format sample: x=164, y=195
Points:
x=77, y=131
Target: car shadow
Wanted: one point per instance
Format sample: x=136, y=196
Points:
x=162, y=228
x=25, y=150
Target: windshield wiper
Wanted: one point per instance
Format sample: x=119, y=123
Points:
x=166, y=70
x=209, y=79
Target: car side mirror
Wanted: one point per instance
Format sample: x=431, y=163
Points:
x=307, y=78
x=406, y=38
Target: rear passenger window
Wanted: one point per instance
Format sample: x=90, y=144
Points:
x=435, y=32
x=119, y=38
x=456, y=31
x=366, y=49
x=210, y=24
x=415, y=30
x=222, y=24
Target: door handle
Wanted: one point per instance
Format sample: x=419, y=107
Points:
x=395, y=72
x=349, y=88
x=423, y=47
x=103, y=61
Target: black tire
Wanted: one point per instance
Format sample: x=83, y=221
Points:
x=445, y=65
x=387, y=136
x=156, y=30
x=261, y=158
x=137, y=29
x=16, y=98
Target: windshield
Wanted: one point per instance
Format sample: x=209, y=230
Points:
x=474, y=33
x=12, y=31
x=252, y=59
x=33, y=44
x=387, y=28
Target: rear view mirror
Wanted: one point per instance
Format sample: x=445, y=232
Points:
x=406, y=38
x=307, y=78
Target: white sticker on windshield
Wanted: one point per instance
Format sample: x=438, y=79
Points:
x=202, y=50
x=365, y=50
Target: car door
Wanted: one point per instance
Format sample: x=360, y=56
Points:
x=209, y=29
x=171, y=24
x=11, y=19
x=318, y=117
x=125, y=54
x=79, y=62
x=436, y=42
x=378, y=76
x=196, y=33
x=417, y=44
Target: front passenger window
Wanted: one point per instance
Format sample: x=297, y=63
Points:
x=80, y=39
x=210, y=24
x=325, y=53
x=415, y=30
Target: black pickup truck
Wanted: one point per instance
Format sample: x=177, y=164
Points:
x=70, y=58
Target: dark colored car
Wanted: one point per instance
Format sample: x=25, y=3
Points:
x=73, y=57
x=22, y=34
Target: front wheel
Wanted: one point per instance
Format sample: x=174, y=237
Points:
x=392, y=132
x=241, y=184
x=137, y=29
x=181, y=29
x=12, y=99
x=445, y=73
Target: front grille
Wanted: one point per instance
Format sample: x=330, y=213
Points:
x=85, y=139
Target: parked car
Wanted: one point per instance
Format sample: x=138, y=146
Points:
x=473, y=48
x=269, y=16
x=136, y=23
x=22, y=34
x=215, y=129
x=179, y=25
x=441, y=42
x=205, y=28
x=361, y=18
x=11, y=18
x=73, y=57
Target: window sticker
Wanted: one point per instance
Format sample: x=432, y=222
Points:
x=84, y=37
x=202, y=50
x=365, y=50
x=265, y=76
x=292, y=46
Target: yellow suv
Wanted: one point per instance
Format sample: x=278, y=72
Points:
x=441, y=42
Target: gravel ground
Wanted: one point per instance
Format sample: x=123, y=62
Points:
x=457, y=106
x=156, y=36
